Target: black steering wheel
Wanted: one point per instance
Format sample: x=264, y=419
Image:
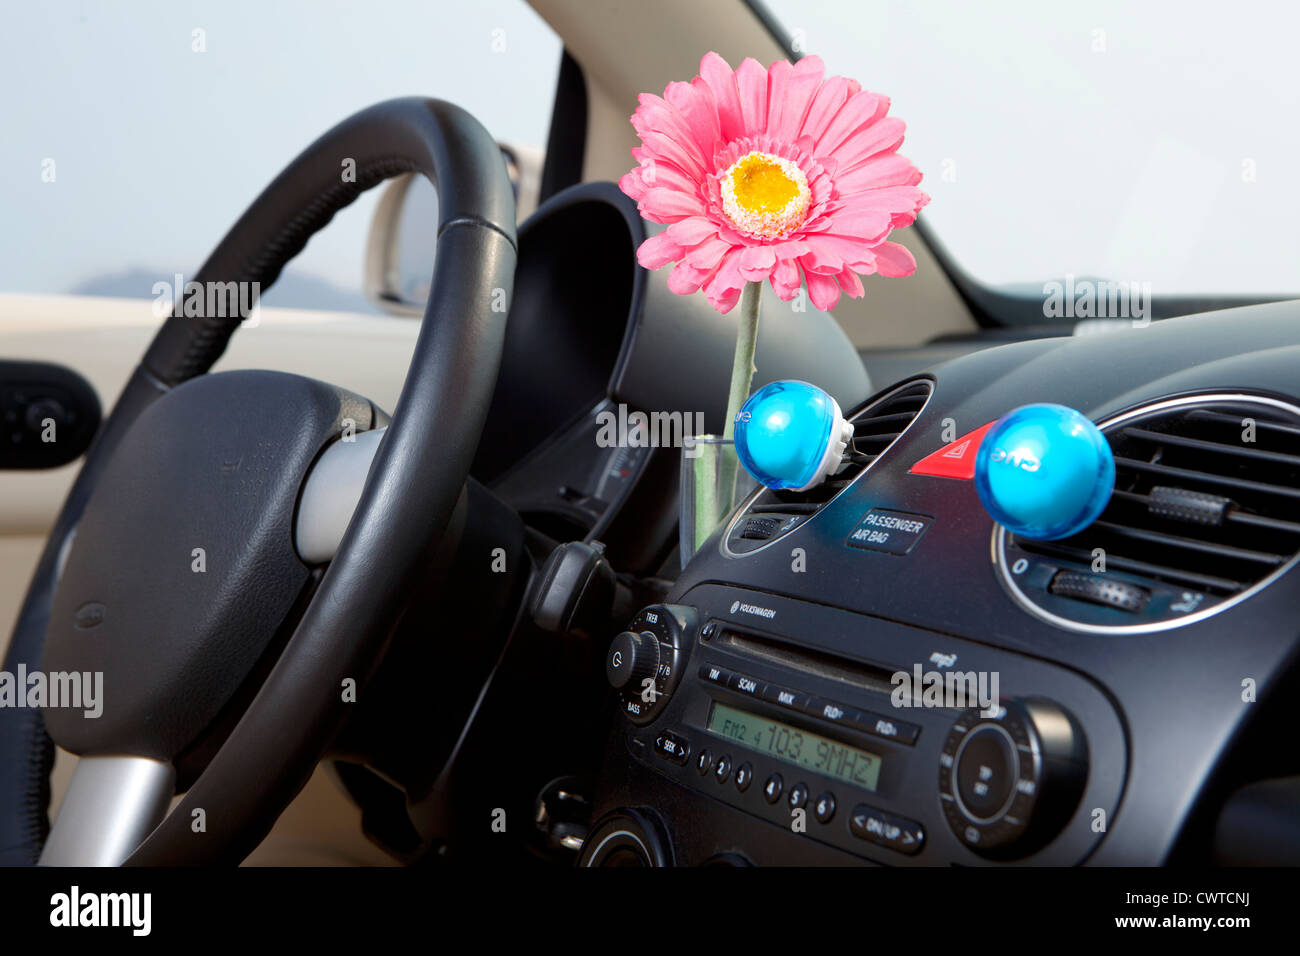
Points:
x=172, y=568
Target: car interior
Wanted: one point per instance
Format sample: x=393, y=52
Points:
x=359, y=583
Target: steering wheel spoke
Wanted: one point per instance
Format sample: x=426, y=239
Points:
x=111, y=805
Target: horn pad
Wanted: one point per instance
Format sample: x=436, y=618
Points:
x=183, y=566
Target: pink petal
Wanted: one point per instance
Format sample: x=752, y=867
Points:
x=681, y=151
x=657, y=251
x=657, y=115
x=725, y=301
x=725, y=282
x=789, y=248
x=785, y=114
x=786, y=279
x=851, y=284
x=824, y=258
x=778, y=82
x=890, y=199
x=751, y=86
x=669, y=205
x=632, y=184
x=685, y=279
x=699, y=115
x=692, y=231
x=823, y=290
x=870, y=140
x=717, y=73
x=859, y=223
x=656, y=173
x=861, y=109
x=890, y=169
x=894, y=260
x=828, y=254
x=708, y=254
x=756, y=263
x=904, y=219
x=825, y=104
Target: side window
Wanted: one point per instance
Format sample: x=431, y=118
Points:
x=135, y=134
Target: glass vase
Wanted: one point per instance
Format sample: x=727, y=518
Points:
x=714, y=484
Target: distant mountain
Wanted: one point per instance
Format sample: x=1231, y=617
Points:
x=293, y=290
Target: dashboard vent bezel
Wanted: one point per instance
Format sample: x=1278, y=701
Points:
x=865, y=412
x=1208, y=400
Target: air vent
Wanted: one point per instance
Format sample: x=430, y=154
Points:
x=1206, y=509
x=770, y=515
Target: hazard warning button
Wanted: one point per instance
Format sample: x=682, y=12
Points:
x=955, y=459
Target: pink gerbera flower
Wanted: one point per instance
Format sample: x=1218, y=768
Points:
x=772, y=174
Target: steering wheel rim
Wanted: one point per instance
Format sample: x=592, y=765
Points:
x=407, y=501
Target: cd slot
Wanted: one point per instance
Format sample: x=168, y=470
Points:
x=813, y=663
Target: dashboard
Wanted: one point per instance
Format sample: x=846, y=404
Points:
x=1122, y=686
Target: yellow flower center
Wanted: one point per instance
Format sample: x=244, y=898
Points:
x=765, y=195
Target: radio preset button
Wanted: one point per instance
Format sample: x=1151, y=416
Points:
x=704, y=762
x=824, y=807
x=798, y=798
x=722, y=769
x=773, y=789
x=744, y=776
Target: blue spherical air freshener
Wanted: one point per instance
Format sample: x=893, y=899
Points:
x=1044, y=472
x=791, y=435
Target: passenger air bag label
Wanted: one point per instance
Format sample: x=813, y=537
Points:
x=894, y=532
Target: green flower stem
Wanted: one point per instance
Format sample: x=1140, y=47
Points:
x=742, y=380
x=706, y=466
x=742, y=367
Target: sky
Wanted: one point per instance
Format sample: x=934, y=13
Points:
x=157, y=147
x=1142, y=142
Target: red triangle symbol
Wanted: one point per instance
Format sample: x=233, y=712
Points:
x=955, y=459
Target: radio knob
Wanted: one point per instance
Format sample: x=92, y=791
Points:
x=1010, y=781
x=644, y=663
x=632, y=658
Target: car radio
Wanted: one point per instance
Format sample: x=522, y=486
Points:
x=810, y=720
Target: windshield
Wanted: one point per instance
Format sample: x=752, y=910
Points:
x=1144, y=143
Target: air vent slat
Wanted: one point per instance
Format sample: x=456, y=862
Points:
x=1235, y=421
x=1207, y=547
x=875, y=429
x=901, y=419
x=1187, y=474
x=1264, y=521
x=783, y=507
x=883, y=439
x=1240, y=451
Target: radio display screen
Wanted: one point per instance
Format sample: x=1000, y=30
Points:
x=799, y=747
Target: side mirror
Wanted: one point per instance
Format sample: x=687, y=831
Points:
x=403, y=235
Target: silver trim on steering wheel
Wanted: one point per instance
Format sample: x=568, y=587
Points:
x=112, y=804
